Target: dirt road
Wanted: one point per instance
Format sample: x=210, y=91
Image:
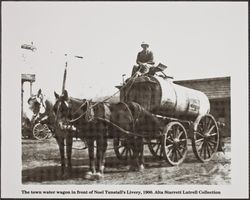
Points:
x=41, y=163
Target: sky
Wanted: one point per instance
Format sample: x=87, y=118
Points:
x=194, y=39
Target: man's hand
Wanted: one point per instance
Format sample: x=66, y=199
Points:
x=138, y=73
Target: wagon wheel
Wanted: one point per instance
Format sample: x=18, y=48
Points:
x=122, y=148
x=205, y=139
x=41, y=131
x=154, y=145
x=174, y=143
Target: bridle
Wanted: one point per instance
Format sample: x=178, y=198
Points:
x=88, y=116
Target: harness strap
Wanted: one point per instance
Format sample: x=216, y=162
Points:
x=130, y=113
x=83, y=104
x=137, y=113
x=118, y=127
x=89, y=117
x=76, y=119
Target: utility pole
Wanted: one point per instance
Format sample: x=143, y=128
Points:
x=65, y=71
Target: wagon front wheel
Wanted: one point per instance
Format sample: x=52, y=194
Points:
x=205, y=139
x=174, y=143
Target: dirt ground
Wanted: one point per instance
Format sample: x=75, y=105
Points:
x=41, y=164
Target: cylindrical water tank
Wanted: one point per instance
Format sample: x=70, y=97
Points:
x=178, y=101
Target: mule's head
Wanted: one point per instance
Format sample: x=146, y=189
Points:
x=35, y=102
x=66, y=109
x=61, y=107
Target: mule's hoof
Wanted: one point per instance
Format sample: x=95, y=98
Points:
x=101, y=169
x=141, y=168
x=132, y=168
x=66, y=175
x=60, y=173
x=99, y=175
x=89, y=175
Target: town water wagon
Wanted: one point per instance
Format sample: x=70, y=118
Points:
x=185, y=113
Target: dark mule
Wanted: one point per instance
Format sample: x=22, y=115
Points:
x=140, y=123
x=82, y=114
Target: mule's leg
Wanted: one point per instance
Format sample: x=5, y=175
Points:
x=101, y=143
x=137, y=152
x=90, y=142
x=132, y=142
x=138, y=159
x=105, y=145
x=69, y=141
x=60, y=142
x=141, y=157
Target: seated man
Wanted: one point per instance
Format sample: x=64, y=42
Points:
x=145, y=60
x=42, y=110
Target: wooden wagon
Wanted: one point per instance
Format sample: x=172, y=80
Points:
x=185, y=113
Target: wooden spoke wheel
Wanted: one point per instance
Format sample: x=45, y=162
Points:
x=123, y=149
x=205, y=139
x=154, y=145
x=174, y=143
x=41, y=131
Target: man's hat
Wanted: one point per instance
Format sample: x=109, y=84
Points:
x=144, y=44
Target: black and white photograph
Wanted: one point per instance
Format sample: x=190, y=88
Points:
x=124, y=99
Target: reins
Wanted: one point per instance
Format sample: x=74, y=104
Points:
x=83, y=104
x=103, y=101
x=134, y=121
x=118, y=127
x=87, y=110
x=89, y=107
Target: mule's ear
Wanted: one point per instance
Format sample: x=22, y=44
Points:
x=65, y=95
x=39, y=92
x=56, y=95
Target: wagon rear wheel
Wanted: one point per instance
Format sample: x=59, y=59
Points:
x=122, y=148
x=175, y=143
x=205, y=139
x=41, y=131
x=154, y=145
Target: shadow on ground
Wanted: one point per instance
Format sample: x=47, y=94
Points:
x=80, y=167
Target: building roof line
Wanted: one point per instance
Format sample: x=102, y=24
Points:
x=204, y=79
